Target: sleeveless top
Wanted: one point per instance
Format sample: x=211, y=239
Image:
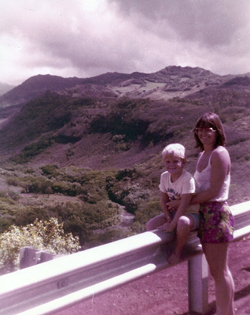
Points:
x=202, y=180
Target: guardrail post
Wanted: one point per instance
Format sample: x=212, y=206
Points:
x=198, y=284
x=27, y=257
x=30, y=256
x=42, y=256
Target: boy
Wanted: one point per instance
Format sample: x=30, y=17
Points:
x=177, y=187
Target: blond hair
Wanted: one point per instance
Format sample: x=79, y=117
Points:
x=175, y=149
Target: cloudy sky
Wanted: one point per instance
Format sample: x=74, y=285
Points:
x=84, y=38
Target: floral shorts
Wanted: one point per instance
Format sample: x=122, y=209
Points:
x=217, y=222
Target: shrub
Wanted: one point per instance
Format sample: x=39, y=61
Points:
x=81, y=220
x=129, y=194
x=135, y=195
x=27, y=215
x=42, y=235
x=31, y=150
x=148, y=211
x=38, y=185
x=12, y=181
x=50, y=169
x=66, y=188
x=127, y=172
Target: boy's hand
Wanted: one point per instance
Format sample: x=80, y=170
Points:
x=166, y=227
x=173, y=204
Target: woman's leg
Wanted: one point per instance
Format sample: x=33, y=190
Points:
x=217, y=258
x=184, y=227
x=155, y=222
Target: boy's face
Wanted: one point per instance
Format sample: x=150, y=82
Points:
x=174, y=164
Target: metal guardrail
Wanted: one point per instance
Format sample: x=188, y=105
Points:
x=60, y=283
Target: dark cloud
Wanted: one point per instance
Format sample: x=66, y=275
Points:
x=90, y=37
x=211, y=22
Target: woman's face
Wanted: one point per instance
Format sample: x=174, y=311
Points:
x=207, y=135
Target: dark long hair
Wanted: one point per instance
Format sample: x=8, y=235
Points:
x=210, y=120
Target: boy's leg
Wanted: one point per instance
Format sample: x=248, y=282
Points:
x=184, y=227
x=155, y=222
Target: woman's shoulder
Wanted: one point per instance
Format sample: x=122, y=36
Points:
x=220, y=150
x=220, y=153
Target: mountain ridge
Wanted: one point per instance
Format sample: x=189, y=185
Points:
x=116, y=116
x=163, y=84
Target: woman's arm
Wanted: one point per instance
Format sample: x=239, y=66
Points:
x=220, y=167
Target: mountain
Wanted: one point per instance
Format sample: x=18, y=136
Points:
x=4, y=88
x=34, y=87
x=116, y=120
x=164, y=84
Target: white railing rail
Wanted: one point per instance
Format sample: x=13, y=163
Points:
x=60, y=283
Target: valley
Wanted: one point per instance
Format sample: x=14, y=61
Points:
x=83, y=150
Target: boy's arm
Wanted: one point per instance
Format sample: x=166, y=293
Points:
x=164, y=200
x=174, y=204
x=184, y=203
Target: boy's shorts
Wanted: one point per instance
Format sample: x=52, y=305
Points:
x=195, y=216
x=197, y=220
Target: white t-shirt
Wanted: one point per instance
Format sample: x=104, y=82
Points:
x=185, y=184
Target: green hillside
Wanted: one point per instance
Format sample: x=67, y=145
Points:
x=86, y=159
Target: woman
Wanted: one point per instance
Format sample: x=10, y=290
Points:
x=212, y=177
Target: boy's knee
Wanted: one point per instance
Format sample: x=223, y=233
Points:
x=183, y=222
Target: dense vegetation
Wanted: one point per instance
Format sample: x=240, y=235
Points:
x=90, y=202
